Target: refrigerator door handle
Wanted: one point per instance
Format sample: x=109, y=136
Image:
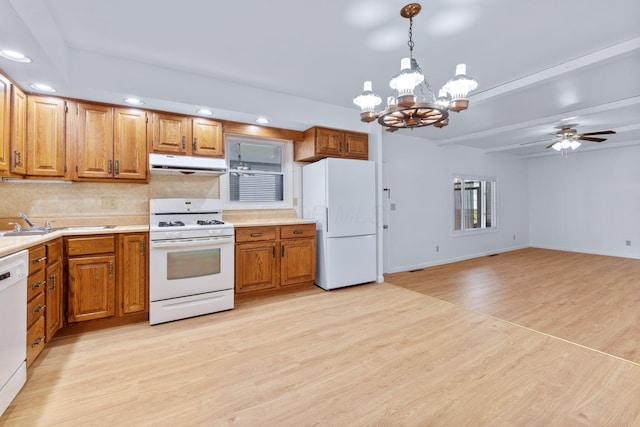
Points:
x=327, y=218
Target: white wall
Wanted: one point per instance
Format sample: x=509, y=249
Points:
x=419, y=174
x=588, y=202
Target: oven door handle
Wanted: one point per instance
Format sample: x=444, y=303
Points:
x=171, y=244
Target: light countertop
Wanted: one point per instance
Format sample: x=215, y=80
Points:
x=9, y=245
x=267, y=222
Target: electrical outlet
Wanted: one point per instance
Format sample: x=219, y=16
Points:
x=628, y=242
x=295, y=201
x=109, y=202
x=393, y=206
x=437, y=248
x=514, y=237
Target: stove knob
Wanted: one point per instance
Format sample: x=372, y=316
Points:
x=167, y=234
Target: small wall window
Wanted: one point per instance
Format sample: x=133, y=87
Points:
x=259, y=173
x=474, y=203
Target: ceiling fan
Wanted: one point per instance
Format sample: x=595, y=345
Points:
x=567, y=137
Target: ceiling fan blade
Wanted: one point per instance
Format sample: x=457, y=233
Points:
x=604, y=132
x=550, y=145
x=588, y=138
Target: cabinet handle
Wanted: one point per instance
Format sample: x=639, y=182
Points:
x=37, y=260
x=52, y=280
x=37, y=341
x=256, y=234
x=282, y=251
x=38, y=308
x=110, y=268
x=195, y=144
x=17, y=158
x=117, y=167
x=341, y=147
x=109, y=166
x=142, y=247
x=38, y=284
x=298, y=231
x=347, y=144
x=184, y=142
x=273, y=251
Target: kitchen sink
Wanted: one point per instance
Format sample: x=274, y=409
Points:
x=39, y=231
x=25, y=232
x=87, y=228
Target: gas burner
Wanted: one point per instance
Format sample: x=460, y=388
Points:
x=171, y=224
x=209, y=222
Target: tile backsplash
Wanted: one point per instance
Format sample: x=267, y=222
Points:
x=87, y=199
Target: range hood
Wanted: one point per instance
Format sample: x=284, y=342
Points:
x=187, y=165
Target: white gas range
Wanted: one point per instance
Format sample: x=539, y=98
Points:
x=191, y=262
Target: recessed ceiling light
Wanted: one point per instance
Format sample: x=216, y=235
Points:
x=133, y=101
x=262, y=120
x=14, y=56
x=204, y=112
x=42, y=87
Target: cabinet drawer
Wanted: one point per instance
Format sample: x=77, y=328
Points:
x=37, y=258
x=91, y=245
x=35, y=340
x=255, y=234
x=35, y=309
x=36, y=284
x=297, y=231
x=54, y=251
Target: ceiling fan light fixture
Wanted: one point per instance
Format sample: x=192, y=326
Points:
x=574, y=144
x=413, y=103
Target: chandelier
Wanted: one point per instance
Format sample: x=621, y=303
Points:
x=404, y=109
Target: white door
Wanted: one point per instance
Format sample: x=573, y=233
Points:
x=351, y=197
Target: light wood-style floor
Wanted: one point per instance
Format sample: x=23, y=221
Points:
x=371, y=355
x=588, y=299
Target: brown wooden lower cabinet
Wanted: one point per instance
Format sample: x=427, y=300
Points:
x=55, y=287
x=272, y=258
x=107, y=276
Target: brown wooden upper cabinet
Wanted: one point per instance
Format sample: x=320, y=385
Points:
x=111, y=143
x=176, y=134
x=18, y=131
x=5, y=125
x=319, y=143
x=46, y=139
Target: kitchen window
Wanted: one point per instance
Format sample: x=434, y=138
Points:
x=260, y=173
x=474, y=201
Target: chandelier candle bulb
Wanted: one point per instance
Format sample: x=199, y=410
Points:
x=367, y=101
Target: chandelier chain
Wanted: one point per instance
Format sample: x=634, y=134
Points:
x=410, y=42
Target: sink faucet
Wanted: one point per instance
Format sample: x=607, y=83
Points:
x=27, y=220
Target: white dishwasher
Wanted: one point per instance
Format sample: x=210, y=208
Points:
x=14, y=270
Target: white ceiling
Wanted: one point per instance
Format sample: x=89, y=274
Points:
x=539, y=64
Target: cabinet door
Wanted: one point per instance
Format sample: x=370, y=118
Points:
x=130, y=144
x=5, y=125
x=255, y=267
x=91, y=288
x=298, y=261
x=53, y=299
x=18, y=131
x=207, y=138
x=329, y=142
x=95, y=141
x=356, y=146
x=46, y=136
x=170, y=133
x=132, y=274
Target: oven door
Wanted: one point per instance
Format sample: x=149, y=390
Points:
x=184, y=267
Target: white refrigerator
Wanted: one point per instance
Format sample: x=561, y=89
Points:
x=339, y=194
